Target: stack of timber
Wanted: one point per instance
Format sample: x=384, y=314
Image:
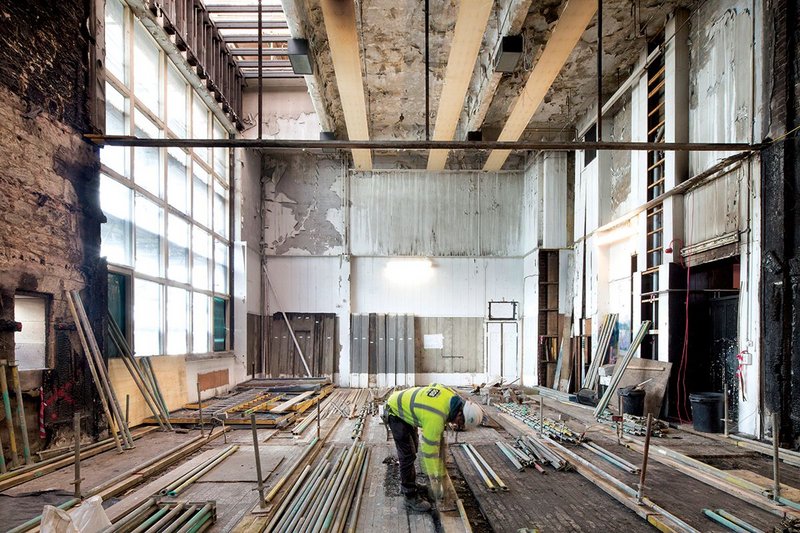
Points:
x=274, y=406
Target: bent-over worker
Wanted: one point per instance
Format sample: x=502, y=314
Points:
x=430, y=408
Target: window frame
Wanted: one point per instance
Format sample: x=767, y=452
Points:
x=209, y=165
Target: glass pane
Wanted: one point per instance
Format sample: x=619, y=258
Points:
x=201, y=322
x=200, y=200
x=178, y=323
x=117, y=309
x=115, y=40
x=176, y=101
x=220, y=209
x=200, y=125
x=115, y=201
x=30, y=343
x=220, y=331
x=148, y=305
x=147, y=161
x=220, y=154
x=220, y=266
x=146, y=71
x=178, y=180
x=115, y=157
x=178, y=230
x=149, y=220
x=201, y=259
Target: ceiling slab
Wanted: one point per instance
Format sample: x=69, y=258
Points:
x=571, y=25
x=467, y=37
x=340, y=25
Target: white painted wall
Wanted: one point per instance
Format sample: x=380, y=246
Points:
x=456, y=287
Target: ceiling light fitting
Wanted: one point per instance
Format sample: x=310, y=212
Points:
x=509, y=54
x=300, y=56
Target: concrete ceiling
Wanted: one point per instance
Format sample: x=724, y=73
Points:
x=392, y=43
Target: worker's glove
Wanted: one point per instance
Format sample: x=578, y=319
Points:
x=437, y=490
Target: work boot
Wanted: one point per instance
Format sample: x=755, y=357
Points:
x=422, y=490
x=417, y=504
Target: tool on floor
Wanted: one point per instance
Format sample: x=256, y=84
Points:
x=489, y=476
x=730, y=524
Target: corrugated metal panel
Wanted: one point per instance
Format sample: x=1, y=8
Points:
x=712, y=210
x=415, y=212
x=411, y=365
x=531, y=204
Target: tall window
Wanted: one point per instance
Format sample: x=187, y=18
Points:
x=167, y=209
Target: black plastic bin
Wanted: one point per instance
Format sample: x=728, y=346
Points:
x=707, y=411
x=632, y=401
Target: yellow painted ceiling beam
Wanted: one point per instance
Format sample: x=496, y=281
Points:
x=565, y=36
x=467, y=37
x=340, y=25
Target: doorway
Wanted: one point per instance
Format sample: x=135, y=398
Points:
x=502, y=350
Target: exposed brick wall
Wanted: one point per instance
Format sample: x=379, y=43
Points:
x=44, y=50
x=49, y=205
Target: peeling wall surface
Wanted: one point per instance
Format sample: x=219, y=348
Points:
x=442, y=214
x=303, y=211
x=288, y=114
x=720, y=77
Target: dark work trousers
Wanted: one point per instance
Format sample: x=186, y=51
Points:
x=406, y=440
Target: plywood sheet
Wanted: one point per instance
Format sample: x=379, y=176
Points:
x=640, y=370
x=168, y=369
x=213, y=379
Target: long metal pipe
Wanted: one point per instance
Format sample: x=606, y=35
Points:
x=23, y=424
x=599, y=127
x=261, y=502
x=326, y=518
x=474, y=460
x=166, y=519
x=353, y=518
x=76, y=429
x=326, y=496
x=319, y=472
x=221, y=457
x=3, y=468
x=724, y=521
x=776, y=463
x=289, y=496
x=489, y=469
x=305, y=501
x=260, y=69
x=197, y=518
x=738, y=521
x=105, y=382
x=112, y=426
x=610, y=458
x=301, y=144
x=511, y=457
x=131, y=517
x=181, y=519
x=645, y=455
x=354, y=497
x=289, y=472
x=9, y=419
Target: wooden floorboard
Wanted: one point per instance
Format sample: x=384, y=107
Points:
x=559, y=501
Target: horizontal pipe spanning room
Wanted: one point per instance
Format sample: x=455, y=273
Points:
x=232, y=229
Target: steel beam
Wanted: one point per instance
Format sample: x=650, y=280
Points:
x=298, y=144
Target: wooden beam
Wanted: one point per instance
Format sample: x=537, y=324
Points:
x=467, y=37
x=340, y=24
x=568, y=30
x=285, y=406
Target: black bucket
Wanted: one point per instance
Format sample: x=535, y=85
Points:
x=632, y=401
x=707, y=411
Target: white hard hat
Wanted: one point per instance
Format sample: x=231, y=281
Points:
x=473, y=415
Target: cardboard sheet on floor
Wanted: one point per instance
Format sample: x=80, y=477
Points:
x=640, y=370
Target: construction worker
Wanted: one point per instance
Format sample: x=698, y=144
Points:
x=430, y=408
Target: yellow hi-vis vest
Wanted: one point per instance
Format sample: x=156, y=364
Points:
x=427, y=408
